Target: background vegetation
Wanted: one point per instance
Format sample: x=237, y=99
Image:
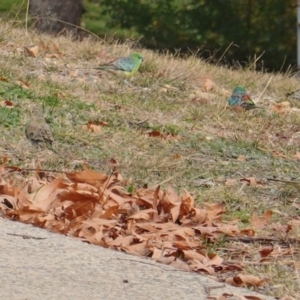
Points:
x=252, y=28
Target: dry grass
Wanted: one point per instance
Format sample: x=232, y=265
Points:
x=208, y=143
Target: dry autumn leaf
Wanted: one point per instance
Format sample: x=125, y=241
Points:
x=245, y=280
x=32, y=50
x=252, y=181
x=6, y=103
x=266, y=251
x=92, y=128
x=280, y=108
x=297, y=155
x=260, y=222
x=97, y=209
x=23, y=84
x=207, y=84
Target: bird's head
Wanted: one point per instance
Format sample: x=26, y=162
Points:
x=239, y=89
x=137, y=56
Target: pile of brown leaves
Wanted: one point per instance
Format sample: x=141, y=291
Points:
x=97, y=209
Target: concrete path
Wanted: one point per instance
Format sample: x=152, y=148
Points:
x=57, y=267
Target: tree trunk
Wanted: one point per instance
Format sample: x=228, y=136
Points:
x=56, y=16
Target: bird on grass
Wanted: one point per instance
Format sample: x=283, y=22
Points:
x=240, y=98
x=127, y=65
x=38, y=132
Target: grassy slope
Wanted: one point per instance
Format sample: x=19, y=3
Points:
x=211, y=143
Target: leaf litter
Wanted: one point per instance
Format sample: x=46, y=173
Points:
x=159, y=224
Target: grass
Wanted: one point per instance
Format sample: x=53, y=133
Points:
x=206, y=145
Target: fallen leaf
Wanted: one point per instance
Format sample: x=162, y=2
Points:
x=230, y=182
x=266, y=251
x=23, y=84
x=244, y=281
x=261, y=222
x=297, y=155
x=6, y=103
x=241, y=158
x=32, y=50
x=280, y=108
x=91, y=127
x=207, y=84
x=3, y=79
x=252, y=181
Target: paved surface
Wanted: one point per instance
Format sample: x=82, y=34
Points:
x=58, y=267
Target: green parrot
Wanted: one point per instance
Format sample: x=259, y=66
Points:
x=128, y=65
x=240, y=98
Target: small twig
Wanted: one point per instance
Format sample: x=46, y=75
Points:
x=262, y=239
x=25, y=236
x=284, y=181
x=256, y=60
x=224, y=53
x=265, y=88
x=40, y=170
x=107, y=182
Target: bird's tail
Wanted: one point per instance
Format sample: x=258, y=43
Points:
x=106, y=67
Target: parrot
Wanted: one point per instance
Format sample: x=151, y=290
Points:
x=240, y=98
x=128, y=65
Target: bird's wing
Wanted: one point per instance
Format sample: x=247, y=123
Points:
x=125, y=64
x=235, y=99
x=39, y=133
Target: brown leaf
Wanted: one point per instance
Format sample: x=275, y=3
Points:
x=207, y=84
x=266, y=251
x=252, y=181
x=241, y=158
x=297, y=155
x=3, y=79
x=146, y=214
x=44, y=196
x=91, y=127
x=88, y=176
x=245, y=280
x=23, y=84
x=261, y=222
x=32, y=50
x=280, y=108
x=247, y=232
x=156, y=133
x=230, y=182
x=215, y=210
x=6, y=103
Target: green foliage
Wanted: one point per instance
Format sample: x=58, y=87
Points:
x=13, y=92
x=252, y=26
